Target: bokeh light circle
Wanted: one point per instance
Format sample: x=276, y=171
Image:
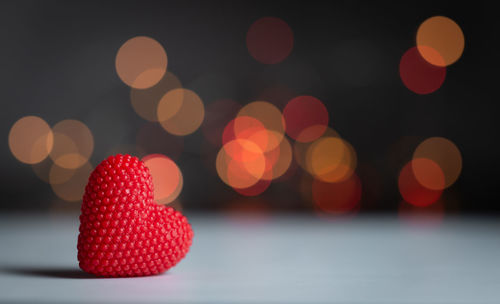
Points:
x=269, y=40
x=247, y=128
x=269, y=115
x=428, y=173
x=240, y=163
x=281, y=163
x=306, y=118
x=337, y=198
x=301, y=149
x=145, y=101
x=73, y=144
x=167, y=177
x=181, y=112
x=141, y=62
x=412, y=190
x=331, y=159
x=31, y=139
x=445, y=154
x=443, y=35
x=418, y=75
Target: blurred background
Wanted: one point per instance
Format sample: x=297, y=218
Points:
x=253, y=106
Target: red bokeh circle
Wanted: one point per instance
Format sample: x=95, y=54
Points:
x=418, y=75
x=269, y=40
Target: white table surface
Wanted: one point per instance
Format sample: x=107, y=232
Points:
x=275, y=259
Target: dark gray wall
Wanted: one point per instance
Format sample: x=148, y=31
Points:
x=57, y=61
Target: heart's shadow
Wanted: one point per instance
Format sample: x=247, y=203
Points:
x=49, y=272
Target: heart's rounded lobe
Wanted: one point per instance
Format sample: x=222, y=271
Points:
x=123, y=232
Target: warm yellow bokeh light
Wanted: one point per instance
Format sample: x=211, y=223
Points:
x=73, y=188
x=240, y=163
x=172, y=198
x=331, y=159
x=141, y=62
x=445, y=154
x=145, y=101
x=181, y=112
x=269, y=115
x=247, y=128
x=167, y=178
x=31, y=139
x=443, y=35
x=73, y=144
x=283, y=161
x=300, y=148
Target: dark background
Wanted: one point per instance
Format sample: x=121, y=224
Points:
x=57, y=62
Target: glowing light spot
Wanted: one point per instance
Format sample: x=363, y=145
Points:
x=306, y=118
x=331, y=159
x=268, y=115
x=141, y=62
x=281, y=162
x=337, y=198
x=443, y=35
x=417, y=74
x=240, y=163
x=273, y=155
x=270, y=40
x=181, y=112
x=445, y=154
x=428, y=173
x=218, y=114
x=167, y=177
x=411, y=190
x=248, y=128
x=300, y=149
x=145, y=101
x=31, y=139
x=70, y=189
x=73, y=144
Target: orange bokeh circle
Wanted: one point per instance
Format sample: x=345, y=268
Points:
x=31, y=139
x=412, y=190
x=445, y=154
x=443, y=35
x=167, y=177
x=141, y=62
x=240, y=163
x=269, y=40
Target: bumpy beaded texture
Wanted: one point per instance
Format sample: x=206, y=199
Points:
x=123, y=232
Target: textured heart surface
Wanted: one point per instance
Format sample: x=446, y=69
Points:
x=123, y=232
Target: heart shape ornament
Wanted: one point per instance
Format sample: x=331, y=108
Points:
x=123, y=232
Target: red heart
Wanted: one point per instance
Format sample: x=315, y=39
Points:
x=123, y=232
